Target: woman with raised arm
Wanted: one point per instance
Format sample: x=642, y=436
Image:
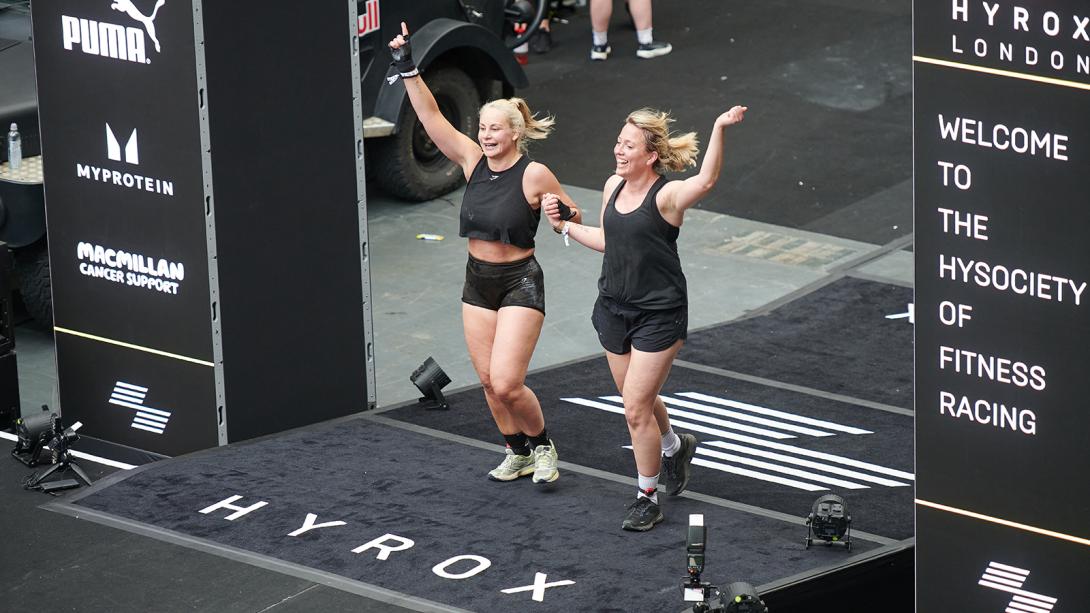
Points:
x=503, y=300
x=641, y=314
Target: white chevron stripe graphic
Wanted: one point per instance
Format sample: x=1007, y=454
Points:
x=828, y=425
x=1010, y=579
x=836, y=470
x=719, y=422
x=753, y=455
x=132, y=397
x=736, y=415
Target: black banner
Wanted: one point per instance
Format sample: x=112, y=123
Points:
x=137, y=399
x=119, y=113
x=968, y=565
x=1002, y=136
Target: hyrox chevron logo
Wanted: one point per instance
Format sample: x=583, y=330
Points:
x=1010, y=579
x=750, y=443
x=132, y=397
x=110, y=39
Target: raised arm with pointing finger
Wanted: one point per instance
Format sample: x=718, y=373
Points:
x=503, y=298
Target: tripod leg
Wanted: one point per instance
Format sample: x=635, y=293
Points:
x=82, y=476
x=44, y=475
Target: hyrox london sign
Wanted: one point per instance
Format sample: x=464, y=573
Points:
x=1002, y=148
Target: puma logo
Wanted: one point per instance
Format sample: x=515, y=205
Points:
x=127, y=7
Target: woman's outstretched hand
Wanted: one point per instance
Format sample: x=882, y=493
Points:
x=735, y=115
x=400, y=39
x=401, y=52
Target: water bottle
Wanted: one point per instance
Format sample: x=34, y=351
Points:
x=15, y=148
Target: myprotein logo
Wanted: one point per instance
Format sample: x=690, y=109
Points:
x=129, y=153
x=368, y=20
x=147, y=418
x=1006, y=578
x=113, y=148
x=115, y=41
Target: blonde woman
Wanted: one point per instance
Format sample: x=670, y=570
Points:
x=642, y=310
x=503, y=300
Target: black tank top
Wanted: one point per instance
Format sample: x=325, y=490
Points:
x=641, y=267
x=494, y=207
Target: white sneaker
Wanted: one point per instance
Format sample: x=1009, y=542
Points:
x=513, y=466
x=545, y=464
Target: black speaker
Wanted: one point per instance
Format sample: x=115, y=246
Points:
x=9, y=374
x=7, y=271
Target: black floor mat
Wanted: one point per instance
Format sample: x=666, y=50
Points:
x=760, y=469
x=392, y=485
x=837, y=339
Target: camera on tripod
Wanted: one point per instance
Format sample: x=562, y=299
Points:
x=46, y=432
x=738, y=597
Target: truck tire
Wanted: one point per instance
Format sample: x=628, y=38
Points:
x=408, y=165
x=32, y=269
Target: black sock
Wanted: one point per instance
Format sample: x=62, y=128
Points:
x=517, y=443
x=540, y=439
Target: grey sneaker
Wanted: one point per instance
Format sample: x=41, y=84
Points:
x=545, y=464
x=653, y=49
x=676, y=468
x=512, y=467
x=599, y=52
x=642, y=515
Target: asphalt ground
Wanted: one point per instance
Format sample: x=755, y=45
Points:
x=826, y=144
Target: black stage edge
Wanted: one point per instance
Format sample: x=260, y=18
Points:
x=879, y=580
x=114, y=451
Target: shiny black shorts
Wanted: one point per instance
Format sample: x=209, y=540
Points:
x=620, y=329
x=492, y=286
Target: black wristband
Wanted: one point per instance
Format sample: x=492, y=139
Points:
x=566, y=212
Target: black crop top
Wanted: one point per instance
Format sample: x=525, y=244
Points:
x=494, y=207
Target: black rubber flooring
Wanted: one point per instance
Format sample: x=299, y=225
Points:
x=760, y=443
x=456, y=538
x=838, y=339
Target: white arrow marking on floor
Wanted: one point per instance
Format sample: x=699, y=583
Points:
x=910, y=314
x=820, y=423
x=836, y=470
x=780, y=457
x=719, y=422
x=732, y=414
x=538, y=587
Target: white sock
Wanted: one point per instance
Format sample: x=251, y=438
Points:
x=644, y=36
x=649, y=483
x=670, y=443
x=600, y=38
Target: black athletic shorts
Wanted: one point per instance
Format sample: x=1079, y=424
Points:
x=492, y=286
x=621, y=328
